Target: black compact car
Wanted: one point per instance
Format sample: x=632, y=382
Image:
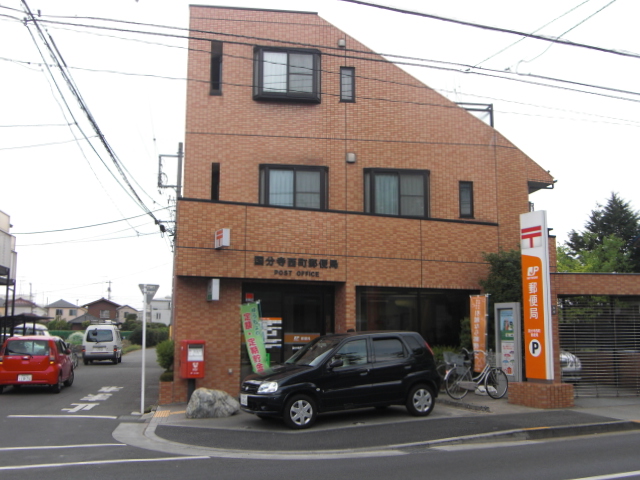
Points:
x=344, y=371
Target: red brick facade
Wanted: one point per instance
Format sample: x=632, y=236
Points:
x=396, y=122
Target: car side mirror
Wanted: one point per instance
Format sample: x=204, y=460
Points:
x=336, y=363
x=68, y=351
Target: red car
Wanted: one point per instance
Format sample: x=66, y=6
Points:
x=36, y=360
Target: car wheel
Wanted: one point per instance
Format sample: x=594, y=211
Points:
x=300, y=412
x=120, y=358
x=69, y=381
x=1, y=389
x=420, y=401
x=114, y=360
x=56, y=388
x=86, y=362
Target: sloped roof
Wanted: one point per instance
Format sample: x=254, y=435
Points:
x=127, y=306
x=83, y=318
x=62, y=304
x=102, y=300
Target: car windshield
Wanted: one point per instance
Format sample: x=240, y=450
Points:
x=96, y=335
x=314, y=352
x=27, y=347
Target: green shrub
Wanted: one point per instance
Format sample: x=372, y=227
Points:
x=166, y=377
x=438, y=351
x=75, y=338
x=156, y=333
x=164, y=353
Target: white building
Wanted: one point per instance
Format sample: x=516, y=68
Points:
x=160, y=311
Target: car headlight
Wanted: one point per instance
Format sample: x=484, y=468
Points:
x=268, y=387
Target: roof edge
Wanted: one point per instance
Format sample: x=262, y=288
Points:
x=255, y=9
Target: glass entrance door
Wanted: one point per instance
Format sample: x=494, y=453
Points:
x=293, y=315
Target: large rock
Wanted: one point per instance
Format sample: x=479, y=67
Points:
x=206, y=403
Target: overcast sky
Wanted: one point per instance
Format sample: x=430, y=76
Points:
x=572, y=109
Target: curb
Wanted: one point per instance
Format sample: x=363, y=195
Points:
x=532, y=434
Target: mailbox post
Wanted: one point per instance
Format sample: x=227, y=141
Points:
x=191, y=363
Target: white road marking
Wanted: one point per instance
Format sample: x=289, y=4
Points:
x=102, y=462
x=107, y=417
x=612, y=476
x=51, y=447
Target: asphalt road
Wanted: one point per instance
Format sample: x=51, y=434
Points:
x=69, y=436
x=39, y=427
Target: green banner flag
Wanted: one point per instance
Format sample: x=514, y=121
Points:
x=252, y=327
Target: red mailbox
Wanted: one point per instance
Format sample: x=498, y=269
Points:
x=192, y=358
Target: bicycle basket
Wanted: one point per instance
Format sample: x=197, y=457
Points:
x=457, y=359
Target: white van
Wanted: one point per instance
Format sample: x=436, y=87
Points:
x=102, y=341
x=29, y=328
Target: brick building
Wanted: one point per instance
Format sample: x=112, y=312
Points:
x=354, y=195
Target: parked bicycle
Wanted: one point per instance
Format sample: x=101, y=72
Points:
x=459, y=379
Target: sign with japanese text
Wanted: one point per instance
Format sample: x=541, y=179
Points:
x=254, y=337
x=301, y=267
x=479, y=329
x=536, y=295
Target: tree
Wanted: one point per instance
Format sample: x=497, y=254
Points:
x=59, y=324
x=612, y=230
x=504, y=282
x=610, y=256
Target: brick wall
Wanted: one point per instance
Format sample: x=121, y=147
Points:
x=541, y=395
x=396, y=122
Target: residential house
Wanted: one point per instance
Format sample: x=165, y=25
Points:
x=160, y=311
x=63, y=310
x=103, y=309
x=124, y=310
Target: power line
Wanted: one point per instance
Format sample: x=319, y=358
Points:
x=87, y=226
x=57, y=58
x=498, y=29
x=469, y=69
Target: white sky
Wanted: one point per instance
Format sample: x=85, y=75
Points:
x=136, y=92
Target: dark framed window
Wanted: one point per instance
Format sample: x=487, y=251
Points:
x=58, y=312
x=396, y=192
x=216, y=68
x=215, y=181
x=286, y=74
x=466, y=199
x=293, y=186
x=347, y=84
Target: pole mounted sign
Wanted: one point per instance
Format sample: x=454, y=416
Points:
x=536, y=295
x=148, y=292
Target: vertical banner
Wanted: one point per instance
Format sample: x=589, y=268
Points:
x=479, y=329
x=254, y=337
x=536, y=295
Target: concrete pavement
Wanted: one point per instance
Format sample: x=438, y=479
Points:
x=369, y=432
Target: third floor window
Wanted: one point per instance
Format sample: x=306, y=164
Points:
x=286, y=74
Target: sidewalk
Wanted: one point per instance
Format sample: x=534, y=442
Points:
x=370, y=432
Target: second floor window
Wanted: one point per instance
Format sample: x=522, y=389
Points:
x=59, y=312
x=104, y=314
x=286, y=74
x=396, y=192
x=293, y=186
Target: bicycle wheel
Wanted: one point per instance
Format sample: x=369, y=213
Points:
x=496, y=383
x=452, y=383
